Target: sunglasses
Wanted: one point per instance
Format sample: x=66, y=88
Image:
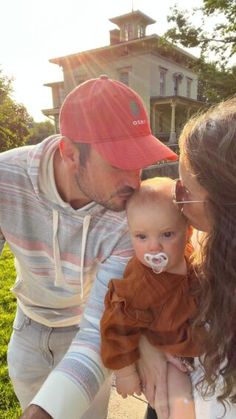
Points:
x=180, y=195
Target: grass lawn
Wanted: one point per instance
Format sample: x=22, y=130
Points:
x=9, y=406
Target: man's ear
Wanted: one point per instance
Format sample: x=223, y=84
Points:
x=69, y=153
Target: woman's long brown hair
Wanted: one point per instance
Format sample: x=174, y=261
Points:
x=208, y=149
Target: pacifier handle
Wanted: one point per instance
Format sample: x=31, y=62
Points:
x=156, y=261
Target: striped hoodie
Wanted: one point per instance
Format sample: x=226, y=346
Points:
x=64, y=259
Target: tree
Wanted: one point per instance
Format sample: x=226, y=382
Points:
x=217, y=79
x=215, y=84
x=39, y=131
x=220, y=39
x=14, y=118
x=225, y=31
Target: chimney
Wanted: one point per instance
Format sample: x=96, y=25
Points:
x=114, y=36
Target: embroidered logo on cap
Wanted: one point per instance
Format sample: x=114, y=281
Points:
x=134, y=108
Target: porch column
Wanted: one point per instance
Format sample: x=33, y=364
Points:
x=188, y=112
x=153, y=118
x=172, y=138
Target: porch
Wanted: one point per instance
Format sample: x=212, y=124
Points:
x=169, y=114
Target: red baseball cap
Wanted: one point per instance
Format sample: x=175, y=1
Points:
x=112, y=118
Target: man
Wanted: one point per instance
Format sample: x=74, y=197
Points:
x=62, y=205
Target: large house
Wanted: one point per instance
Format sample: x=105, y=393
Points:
x=160, y=72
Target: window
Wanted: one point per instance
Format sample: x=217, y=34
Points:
x=141, y=31
x=160, y=122
x=61, y=94
x=80, y=78
x=189, y=87
x=128, y=32
x=163, y=72
x=124, y=74
x=124, y=77
x=177, y=77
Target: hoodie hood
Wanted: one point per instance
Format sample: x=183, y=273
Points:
x=40, y=169
x=41, y=172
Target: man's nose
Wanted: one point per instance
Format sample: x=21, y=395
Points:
x=134, y=178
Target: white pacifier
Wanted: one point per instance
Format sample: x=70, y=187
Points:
x=156, y=261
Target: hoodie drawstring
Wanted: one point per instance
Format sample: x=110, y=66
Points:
x=86, y=223
x=59, y=280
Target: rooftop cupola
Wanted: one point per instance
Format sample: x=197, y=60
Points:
x=131, y=26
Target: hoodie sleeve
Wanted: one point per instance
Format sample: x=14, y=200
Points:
x=71, y=387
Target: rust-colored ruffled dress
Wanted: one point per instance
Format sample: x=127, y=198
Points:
x=159, y=306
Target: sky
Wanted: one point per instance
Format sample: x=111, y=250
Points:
x=34, y=31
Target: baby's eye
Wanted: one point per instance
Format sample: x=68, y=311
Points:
x=168, y=234
x=141, y=236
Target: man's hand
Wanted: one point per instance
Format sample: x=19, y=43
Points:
x=35, y=412
x=152, y=368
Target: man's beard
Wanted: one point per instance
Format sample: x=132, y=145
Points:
x=109, y=203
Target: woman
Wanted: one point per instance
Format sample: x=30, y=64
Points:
x=206, y=193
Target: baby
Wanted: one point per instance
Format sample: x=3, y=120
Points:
x=155, y=298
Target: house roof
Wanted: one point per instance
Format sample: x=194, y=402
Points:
x=54, y=83
x=134, y=15
x=153, y=43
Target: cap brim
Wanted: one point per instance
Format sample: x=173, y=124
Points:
x=134, y=153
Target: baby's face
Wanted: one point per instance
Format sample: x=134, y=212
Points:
x=156, y=228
